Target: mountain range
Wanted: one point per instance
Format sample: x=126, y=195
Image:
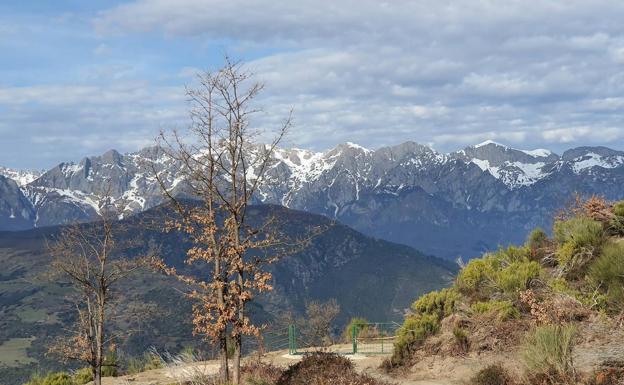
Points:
x=452, y=205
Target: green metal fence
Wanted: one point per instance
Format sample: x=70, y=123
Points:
x=372, y=338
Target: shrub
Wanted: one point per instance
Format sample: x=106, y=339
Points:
x=441, y=303
x=537, y=239
x=357, y=323
x=618, y=208
x=494, y=374
x=580, y=240
x=537, y=242
x=412, y=334
x=258, y=373
x=547, y=353
x=325, y=369
x=504, y=310
x=517, y=277
x=461, y=339
x=476, y=277
x=82, y=376
x=608, y=273
x=507, y=272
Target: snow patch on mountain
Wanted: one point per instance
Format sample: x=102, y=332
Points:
x=21, y=177
x=538, y=153
x=592, y=159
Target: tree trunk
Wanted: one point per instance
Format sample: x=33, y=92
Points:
x=224, y=375
x=237, y=359
x=97, y=375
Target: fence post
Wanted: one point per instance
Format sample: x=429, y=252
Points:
x=354, y=333
x=290, y=339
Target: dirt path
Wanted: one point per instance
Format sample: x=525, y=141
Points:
x=166, y=376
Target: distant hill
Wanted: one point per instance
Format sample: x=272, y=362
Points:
x=456, y=204
x=369, y=277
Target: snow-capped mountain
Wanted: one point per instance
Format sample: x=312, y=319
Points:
x=446, y=204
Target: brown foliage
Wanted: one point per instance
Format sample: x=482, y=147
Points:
x=594, y=207
x=224, y=168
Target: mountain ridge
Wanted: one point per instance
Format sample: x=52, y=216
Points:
x=433, y=195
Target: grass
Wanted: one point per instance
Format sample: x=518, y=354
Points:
x=13, y=352
x=547, y=353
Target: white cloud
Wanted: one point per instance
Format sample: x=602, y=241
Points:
x=448, y=73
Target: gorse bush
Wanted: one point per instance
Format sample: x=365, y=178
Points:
x=517, y=277
x=537, y=242
x=579, y=240
x=494, y=374
x=412, y=334
x=504, y=273
x=608, y=273
x=441, y=303
x=547, y=353
x=504, y=310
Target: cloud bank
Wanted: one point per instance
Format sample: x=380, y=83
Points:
x=446, y=73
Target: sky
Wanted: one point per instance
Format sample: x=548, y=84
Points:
x=81, y=77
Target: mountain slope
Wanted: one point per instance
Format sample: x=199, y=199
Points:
x=369, y=277
x=457, y=204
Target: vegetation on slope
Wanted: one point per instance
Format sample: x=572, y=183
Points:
x=528, y=297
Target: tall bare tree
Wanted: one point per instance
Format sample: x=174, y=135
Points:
x=91, y=257
x=224, y=168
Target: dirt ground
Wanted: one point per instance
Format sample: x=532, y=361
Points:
x=599, y=342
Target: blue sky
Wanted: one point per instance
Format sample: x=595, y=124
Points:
x=81, y=77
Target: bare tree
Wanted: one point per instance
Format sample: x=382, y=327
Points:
x=224, y=168
x=91, y=257
x=317, y=325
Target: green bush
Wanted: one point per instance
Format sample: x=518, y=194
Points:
x=441, y=303
x=608, y=273
x=537, y=239
x=494, y=374
x=461, y=339
x=579, y=239
x=517, y=277
x=506, y=272
x=412, y=334
x=358, y=323
x=504, y=310
x=547, y=352
x=82, y=376
x=475, y=279
x=618, y=208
